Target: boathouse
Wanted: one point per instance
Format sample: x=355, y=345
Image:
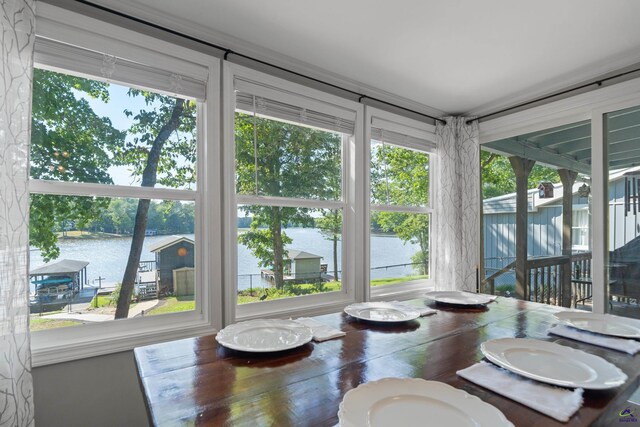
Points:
x=174, y=258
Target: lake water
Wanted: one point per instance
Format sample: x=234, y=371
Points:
x=108, y=257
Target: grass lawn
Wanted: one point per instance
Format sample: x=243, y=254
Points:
x=37, y=323
x=102, y=301
x=245, y=296
x=173, y=305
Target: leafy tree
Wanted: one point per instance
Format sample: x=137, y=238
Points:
x=161, y=152
x=69, y=142
x=409, y=227
x=499, y=179
x=330, y=225
x=286, y=161
x=400, y=176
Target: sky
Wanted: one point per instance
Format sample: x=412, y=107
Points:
x=114, y=110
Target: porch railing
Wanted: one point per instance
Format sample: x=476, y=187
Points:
x=145, y=266
x=545, y=277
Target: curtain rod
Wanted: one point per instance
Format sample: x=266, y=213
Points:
x=598, y=83
x=228, y=52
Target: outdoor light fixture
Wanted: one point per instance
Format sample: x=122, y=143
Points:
x=584, y=190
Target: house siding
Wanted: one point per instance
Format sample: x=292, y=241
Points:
x=545, y=227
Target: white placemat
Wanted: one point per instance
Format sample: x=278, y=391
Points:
x=620, y=344
x=321, y=332
x=558, y=403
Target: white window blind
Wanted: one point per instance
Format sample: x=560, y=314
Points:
x=400, y=134
x=400, y=139
x=272, y=102
x=87, y=63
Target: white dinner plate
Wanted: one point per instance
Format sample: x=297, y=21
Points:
x=410, y=402
x=387, y=312
x=458, y=297
x=605, y=324
x=264, y=335
x=553, y=363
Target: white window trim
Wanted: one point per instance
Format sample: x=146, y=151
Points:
x=294, y=94
x=380, y=118
x=66, y=344
x=587, y=106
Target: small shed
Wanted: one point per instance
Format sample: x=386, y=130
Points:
x=172, y=253
x=302, y=265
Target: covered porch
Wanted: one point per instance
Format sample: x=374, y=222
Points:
x=553, y=269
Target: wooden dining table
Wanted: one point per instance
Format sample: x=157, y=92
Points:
x=196, y=381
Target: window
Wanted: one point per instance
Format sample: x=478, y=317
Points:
x=292, y=173
x=400, y=213
x=581, y=234
x=118, y=176
x=290, y=162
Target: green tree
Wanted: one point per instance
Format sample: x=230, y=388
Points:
x=281, y=160
x=400, y=176
x=499, y=179
x=69, y=142
x=330, y=225
x=161, y=152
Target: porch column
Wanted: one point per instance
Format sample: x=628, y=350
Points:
x=568, y=178
x=522, y=168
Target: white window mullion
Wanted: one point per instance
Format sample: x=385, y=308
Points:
x=288, y=202
x=600, y=207
x=63, y=188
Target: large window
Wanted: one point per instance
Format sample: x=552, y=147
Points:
x=95, y=259
x=400, y=213
x=144, y=227
x=289, y=168
x=118, y=176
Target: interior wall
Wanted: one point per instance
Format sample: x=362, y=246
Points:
x=99, y=391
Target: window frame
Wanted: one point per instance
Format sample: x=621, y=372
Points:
x=579, y=226
x=307, y=305
x=64, y=344
x=417, y=129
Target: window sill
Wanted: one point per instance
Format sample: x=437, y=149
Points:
x=402, y=291
x=311, y=305
x=66, y=344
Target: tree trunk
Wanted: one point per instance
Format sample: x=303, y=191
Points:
x=278, y=250
x=149, y=176
x=424, y=248
x=335, y=257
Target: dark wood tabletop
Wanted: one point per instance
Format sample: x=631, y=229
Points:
x=197, y=382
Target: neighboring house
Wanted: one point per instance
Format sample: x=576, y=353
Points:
x=545, y=224
x=172, y=253
x=302, y=265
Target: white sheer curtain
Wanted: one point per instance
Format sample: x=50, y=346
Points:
x=458, y=205
x=16, y=387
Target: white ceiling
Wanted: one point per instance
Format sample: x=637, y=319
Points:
x=457, y=56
